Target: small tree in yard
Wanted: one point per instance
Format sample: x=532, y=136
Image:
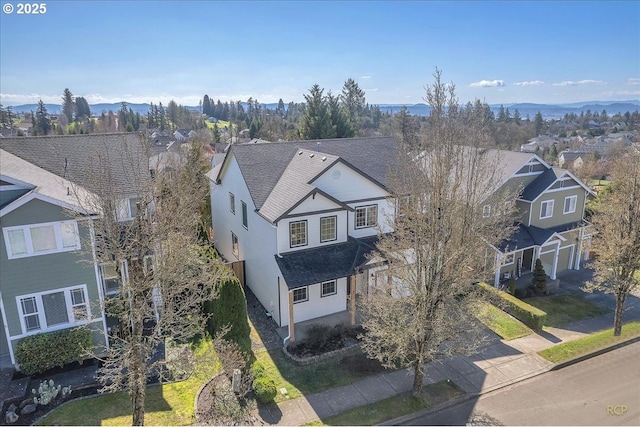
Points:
x=421, y=306
x=539, y=280
x=616, y=220
x=167, y=276
x=228, y=314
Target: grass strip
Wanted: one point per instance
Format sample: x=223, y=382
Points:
x=394, y=407
x=590, y=343
x=506, y=326
x=563, y=309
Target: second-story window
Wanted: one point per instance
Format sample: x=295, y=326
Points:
x=245, y=219
x=234, y=245
x=366, y=216
x=328, y=229
x=486, y=211
x=570, y=204
x=41, y=239
x=298, y=233
x=546, y=209
x=232, y=203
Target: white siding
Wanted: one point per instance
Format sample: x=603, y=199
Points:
x=316, y=305
x=314, y=203
x=386, y=212
x=313, y=231
x=346, y=185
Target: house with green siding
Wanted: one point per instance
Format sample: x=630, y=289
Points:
x=50, y=278
x=550, y=218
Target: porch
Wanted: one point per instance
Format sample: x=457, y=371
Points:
x=302, y=328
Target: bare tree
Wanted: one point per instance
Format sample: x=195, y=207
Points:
x=147, y=229
x=422, y=304
x=616, y=220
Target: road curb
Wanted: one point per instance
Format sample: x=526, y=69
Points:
x=578, y=359
x=456, y=401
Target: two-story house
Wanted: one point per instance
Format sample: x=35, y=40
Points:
x=302, y=216
x=550, y=223
x=50, y=278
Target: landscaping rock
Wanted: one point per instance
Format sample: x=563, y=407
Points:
x=12, y=408
x=25, y=402
x=10, y=417
x=28, y=409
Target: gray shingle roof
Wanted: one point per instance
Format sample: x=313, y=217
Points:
x=541, y=183
x=80, y=158
x=526, y=237
x=263, y=165
x=306, y=267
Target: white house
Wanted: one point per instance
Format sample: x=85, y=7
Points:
x=303, y=216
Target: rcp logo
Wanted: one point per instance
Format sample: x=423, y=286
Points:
x=616, y=409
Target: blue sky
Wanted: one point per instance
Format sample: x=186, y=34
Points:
x=154, y=51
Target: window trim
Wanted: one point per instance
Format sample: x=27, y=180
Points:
x=232, y=202
x=335, y=228
x=335, y=288
x=245, y=215
x=235, y=246
x=366, y=216
x=306, y=234
x=544, y=212
x=41, y=315
x=26, y=233
x=575, y=204
x=508, y=259
x=119, y=277
x=306, y=294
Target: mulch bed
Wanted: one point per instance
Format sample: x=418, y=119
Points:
x=204, y=415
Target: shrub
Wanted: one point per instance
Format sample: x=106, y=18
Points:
x=230, y=309
x=539, y=280
x=531, y=316
x=512, y=285
x=265, y=389
x=37, y=353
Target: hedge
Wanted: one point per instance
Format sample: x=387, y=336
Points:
x=230, y=309
x=38, y=353
x=531, y=316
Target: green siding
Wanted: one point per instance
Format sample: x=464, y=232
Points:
x=44, y=272
x=4, y=347
x=558, y=218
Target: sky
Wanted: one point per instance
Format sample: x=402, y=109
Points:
x=500, y=52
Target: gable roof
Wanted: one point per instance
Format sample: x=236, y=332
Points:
x=77, y=158
x=263, y=165
x=542, y=183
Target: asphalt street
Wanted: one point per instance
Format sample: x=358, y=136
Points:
x=603, y=390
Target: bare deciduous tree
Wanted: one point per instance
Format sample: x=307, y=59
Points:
x=164, y=274
x=422, y=305
x=616, y=220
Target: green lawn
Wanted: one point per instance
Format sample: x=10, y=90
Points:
x=221, y=124
x=564, y=309
x=599, y=340
x=501, y=323
x=167, y=404
x=313, y=378
x=394, y=407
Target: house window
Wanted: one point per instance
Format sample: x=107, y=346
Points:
x=234, y=245
x=367, y=216
x=570, y=204
x=110, y=279
x=486, y=211
x=245, y=220
x=329, y=288
x=508, y=259
x=50, y=310
x=300, y=295
x=232, y=203
x=546, y=209
x=133, y=207
x=41, y=239
x=298, y=233
x=328, y=228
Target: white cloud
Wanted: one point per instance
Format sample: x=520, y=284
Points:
x=531, y=83
x=633, y=81
x=488, y=83
x=580, y=82
x=365, y=77
x=28, y=98
x=374, y=89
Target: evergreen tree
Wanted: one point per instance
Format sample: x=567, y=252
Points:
x=502, y=116
x=539, y=280
x=407, y=127
x=83, y=111
x=206, y=106
x=316, y=121
x=68, y=106
x=339, y=119
x=516, y=117
x=280, y=108
x=354, y=102
x=42, y=119
x=230, y=310
x=538, y=122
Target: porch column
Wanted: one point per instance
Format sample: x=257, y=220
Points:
x=496, y=280
x=291, y=325
x=536, y=255
x=578, y=253
x=555, y=261
x=352, y=308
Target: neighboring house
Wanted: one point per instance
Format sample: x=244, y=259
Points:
x=304, y=215
x=49, y=277
x=182, y=135
x=571, y=159
x=538, y=143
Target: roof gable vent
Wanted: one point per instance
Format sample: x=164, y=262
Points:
x=324, y=158
x=311, y=155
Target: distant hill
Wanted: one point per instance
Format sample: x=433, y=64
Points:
x=548, y=111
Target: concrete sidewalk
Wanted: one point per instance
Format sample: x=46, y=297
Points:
x=497, y=365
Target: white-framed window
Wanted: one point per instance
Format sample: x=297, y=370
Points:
x=546, y=209
x=245, y=218
x=366, y=216
x=234, y=245
x=232, y=203
x=570, y=204
x=298, y=233
x=300, y=295
x=329, y=288
x=328, y=228
x=110, y=279
x=64, y=307
x=486, y=211
x=41, y=239
x=508, y=259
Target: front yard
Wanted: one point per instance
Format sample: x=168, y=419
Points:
x=563, y=309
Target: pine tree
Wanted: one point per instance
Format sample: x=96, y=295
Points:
x=316, y=121
x=230, y=310
x=539, y=280
x=538, y=122
x=42, y=119
x=68, y=106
